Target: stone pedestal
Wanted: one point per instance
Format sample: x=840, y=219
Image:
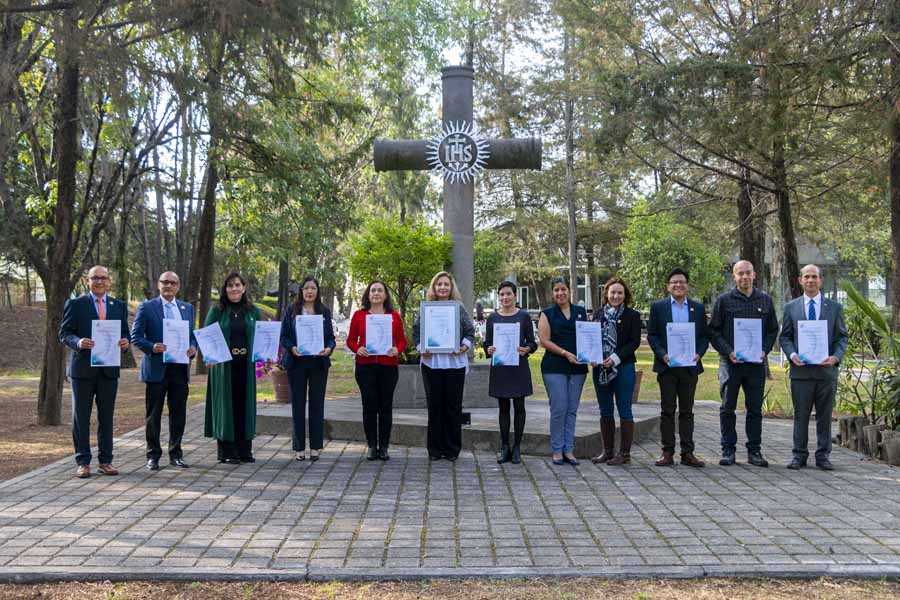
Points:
x=410, y=392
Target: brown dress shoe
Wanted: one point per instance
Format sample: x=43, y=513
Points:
x=607, y=455
x=689, y=459
x=83, y=472
x=108, y=469
x=665, y=460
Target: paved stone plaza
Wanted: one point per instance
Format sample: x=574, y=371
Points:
x=344, y=517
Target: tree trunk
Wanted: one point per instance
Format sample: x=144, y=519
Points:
x=27, y=286
x=122, y=279
x=284, y=275
x=569, y=128
x=68, y=129
x=894, y=33
x=751, y=232
x=145, y=242
x=162, y=230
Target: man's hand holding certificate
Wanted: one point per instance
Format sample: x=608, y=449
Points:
x=177, y=340
x=812, y=341
x=748, y=340
x=107, y=349
x=681, y=344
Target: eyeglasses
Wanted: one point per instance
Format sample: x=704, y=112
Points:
x=168, y=282
x=98, y=278
x=678, y=282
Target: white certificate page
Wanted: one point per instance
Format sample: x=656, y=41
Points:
x=439, y=327
x=681, y=344
x=748, y=340
x=812, y=341
x=106, y=336
x=212, y=344
x=506, y=344
x=379, y=334
x=310, y=330
x=589, y=341
x=177, y=339
x=266, y=336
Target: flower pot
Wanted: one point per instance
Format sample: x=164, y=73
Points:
x=873, y=439
x=891, y=446
x=856, y=437
x=282, y=386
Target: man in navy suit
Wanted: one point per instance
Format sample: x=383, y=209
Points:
x=165, y=378
x=89, y=383
x=677, y=384
x=813, y=385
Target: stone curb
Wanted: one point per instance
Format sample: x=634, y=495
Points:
x=314, y=574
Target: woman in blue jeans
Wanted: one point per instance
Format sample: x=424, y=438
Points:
x=614, y=377
x=562, y=373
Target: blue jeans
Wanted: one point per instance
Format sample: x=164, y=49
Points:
x=621, y=387
x=565, y=394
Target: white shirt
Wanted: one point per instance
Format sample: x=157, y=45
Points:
x=817, y=300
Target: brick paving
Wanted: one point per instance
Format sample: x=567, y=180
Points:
x=346, y=517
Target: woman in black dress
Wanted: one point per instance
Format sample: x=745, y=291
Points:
x=510, y=384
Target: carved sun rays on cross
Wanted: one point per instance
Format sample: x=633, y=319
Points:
x=458, y=167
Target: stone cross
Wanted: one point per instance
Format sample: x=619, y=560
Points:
x=459, y=155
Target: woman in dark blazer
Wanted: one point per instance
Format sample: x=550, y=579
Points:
x=510, y=384
x=614, y=377
x=308, y=375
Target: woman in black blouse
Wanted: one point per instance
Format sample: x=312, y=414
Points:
x=510, y=383
x=614, y=377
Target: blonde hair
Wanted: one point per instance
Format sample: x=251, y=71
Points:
x=454, y=291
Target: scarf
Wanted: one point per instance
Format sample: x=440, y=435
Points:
x=611, y=316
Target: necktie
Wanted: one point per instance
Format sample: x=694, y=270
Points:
x=169, y=313
x=101, y=309
x=812, y=310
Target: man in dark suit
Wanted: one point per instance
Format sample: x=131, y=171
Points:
x=677, y=384
x=745, y=301
x=813, y=384
x=89, y=383
x=164, y=376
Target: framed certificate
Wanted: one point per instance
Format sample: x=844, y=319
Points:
x=439, y=326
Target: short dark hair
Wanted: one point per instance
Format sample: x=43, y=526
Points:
x=557, y=280
x=613, y=281
x=367, y=304
x=506, y=284
x=678, y=271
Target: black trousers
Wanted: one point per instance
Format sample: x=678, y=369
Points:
x=102, y=390
x=676, y=389
x=376, y=386
x=308, y=382
x=240, y=447
x=172, y=389
x=444, y=394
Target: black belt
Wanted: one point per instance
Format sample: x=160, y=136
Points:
x=238, y=351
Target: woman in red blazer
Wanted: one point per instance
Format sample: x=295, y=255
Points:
x=376, y=374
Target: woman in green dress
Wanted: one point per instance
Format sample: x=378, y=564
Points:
x=231, y=388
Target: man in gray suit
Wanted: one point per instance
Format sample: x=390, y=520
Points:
x=813, y=384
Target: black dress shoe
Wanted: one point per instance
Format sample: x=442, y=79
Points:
x=383, y=454
x=153, y=464
x=756, y=459
x=796, y=464
x=570, y=461
x=231, y=461
x=504, y=455
x=727, y=458
x=825, y=464
x=451, y=458
x=516, y=455
x=177, y=462
x=247, y=459
x=434, y=457
x=371, y=454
